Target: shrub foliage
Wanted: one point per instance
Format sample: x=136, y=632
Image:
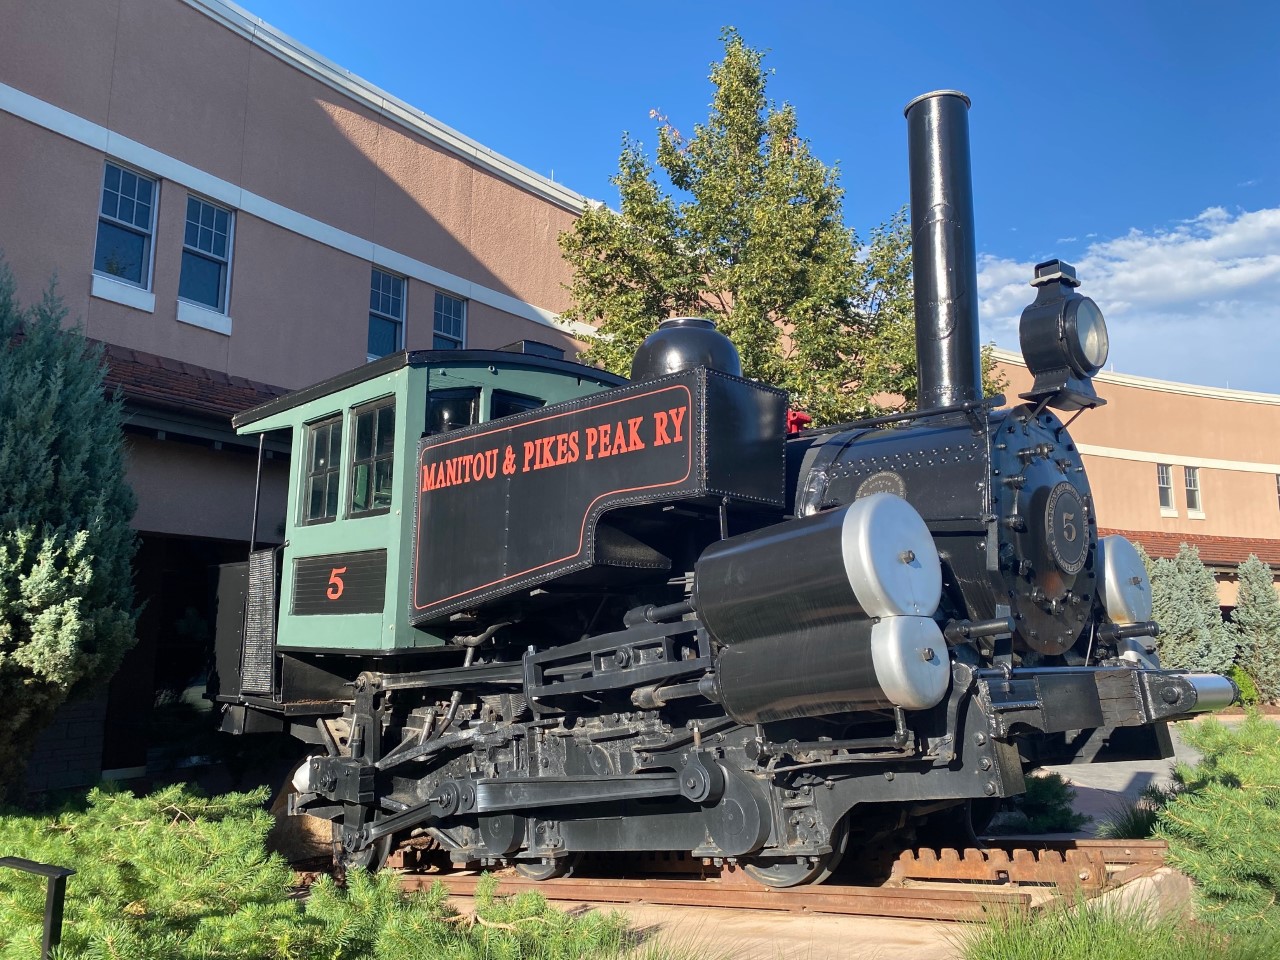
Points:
x=1256, y=621
x=1193, y=635
x=1223, y=821
x=178, y=876
x=66, y=594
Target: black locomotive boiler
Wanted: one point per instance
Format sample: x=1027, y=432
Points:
x=597, y=615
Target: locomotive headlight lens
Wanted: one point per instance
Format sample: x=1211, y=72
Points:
x=1086, y=334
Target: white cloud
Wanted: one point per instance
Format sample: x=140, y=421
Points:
x=1196, y=302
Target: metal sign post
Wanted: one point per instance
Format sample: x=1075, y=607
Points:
x=55, y=895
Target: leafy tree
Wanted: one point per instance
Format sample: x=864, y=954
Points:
x=66, y=611
x=1256, y=621
x=1193, y=635
x=757, y=242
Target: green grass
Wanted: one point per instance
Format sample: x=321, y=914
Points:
x=1098, y=932
x=174, y=875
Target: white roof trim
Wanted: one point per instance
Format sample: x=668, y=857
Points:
x=262, y=34
x=1160, y=386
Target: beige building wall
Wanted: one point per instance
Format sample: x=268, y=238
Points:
x=326, y=176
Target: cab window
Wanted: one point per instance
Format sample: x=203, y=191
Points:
x=324, y=454
x=450, y=409
x=373, y=457
x=505, y=404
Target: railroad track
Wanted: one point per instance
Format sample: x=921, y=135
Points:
x=946, y=884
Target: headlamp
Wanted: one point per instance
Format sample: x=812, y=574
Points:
x=1064, y=340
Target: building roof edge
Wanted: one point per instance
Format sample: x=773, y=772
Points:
x=260, y=33
x=1160, y=386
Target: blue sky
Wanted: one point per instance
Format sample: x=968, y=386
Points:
x=1139, y=140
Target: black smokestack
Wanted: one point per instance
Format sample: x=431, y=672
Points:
x=945, y=266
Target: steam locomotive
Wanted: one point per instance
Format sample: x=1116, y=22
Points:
x=594, y=614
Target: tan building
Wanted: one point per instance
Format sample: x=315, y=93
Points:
x=1173, y=463
x=234, y=215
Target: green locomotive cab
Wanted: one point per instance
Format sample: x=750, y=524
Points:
x=298, y=621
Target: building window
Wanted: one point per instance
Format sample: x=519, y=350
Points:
x=1192, y=478
x=126, y=222
x=206, y=255
x=1164, y=480
x=449, y=330
x=324, y=454
x=386, y=314
x=373, y=461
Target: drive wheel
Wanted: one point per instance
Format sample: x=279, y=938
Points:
x=793, y=871
x=549, y=868
x=371, y=858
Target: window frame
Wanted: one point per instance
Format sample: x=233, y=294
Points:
x=1164, y=482
x=354, y=461
x=308, y=472
x=225, y=292
x=1191, y=484
x=451, y=342
x=149, y=234
x=399, y=321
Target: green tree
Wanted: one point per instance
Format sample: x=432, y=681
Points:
x=757, y=242
x=66, y=593
x=1193, y=635
x=1256, y=621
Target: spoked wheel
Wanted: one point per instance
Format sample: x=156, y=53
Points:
x=549, y=868
x=793, y=871
x=371, y=858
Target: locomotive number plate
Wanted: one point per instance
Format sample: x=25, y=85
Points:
x=340, y=583
x=1066, y=528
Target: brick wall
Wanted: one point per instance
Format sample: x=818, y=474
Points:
x=69, y=752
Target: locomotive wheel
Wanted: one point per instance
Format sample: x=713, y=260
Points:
x=793, y=871
x=371, y=858
x=549, y=868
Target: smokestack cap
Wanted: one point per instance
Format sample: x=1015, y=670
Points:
x=683, y=343
x=937, y=93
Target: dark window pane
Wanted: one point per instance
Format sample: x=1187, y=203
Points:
x=120, y=253
x=443, y=343
x=126, y=210
x=128, y=184
x=193, y=210
x=142, y=215
x=382, y=483
x=331, y=503
x=364, y=435
x=386, y=430
x=448, y=412
x=144, y=191
x=220, y=221
x=220, y=245
x=383, y=336
x=335, y=444
x=108, y=202
x=505, y=404
x=206, y=215
x=113, y=178
x=192, y=234
x=201, y=280
x=315, y=498
x=360, y=487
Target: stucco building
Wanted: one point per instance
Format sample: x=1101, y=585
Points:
x=234, y=215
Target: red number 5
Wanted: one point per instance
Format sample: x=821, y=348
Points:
x=335, y=583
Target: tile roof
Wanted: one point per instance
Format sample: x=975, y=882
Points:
x=155, y=381
x=1216, y=551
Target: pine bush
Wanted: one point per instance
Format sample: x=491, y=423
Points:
x=66, y=587
x=1223, y=822
x=1256, y=621
x=180, y=877
x=1193, y=635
